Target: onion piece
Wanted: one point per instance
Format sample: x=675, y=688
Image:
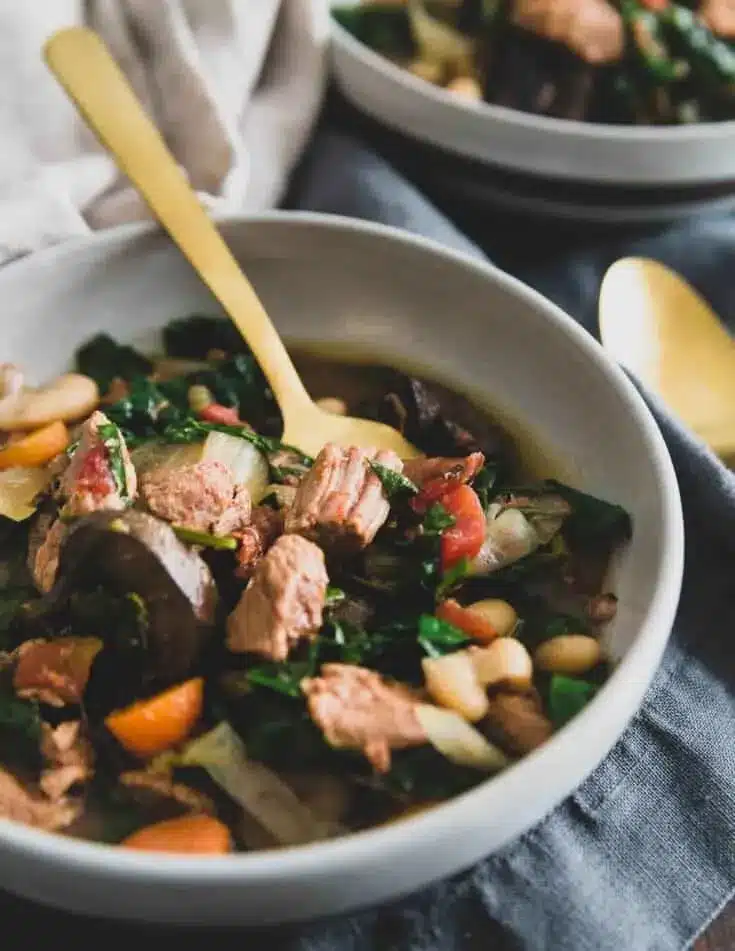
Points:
x=18, y=490
x=508, y=537
x=461, y=743
x=245, y=462
x=259, y=791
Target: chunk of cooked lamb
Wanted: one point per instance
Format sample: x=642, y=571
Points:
x=266, y=525
x=69, y=756
x=593, y=29
x=719, y=15
x=100, y=475
x=355, y=708
x=21, y=805
x=283, y=601
x=202, y=497
x=340, y=503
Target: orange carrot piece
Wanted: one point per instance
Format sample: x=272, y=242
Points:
x=35, y=449
x=191, y=835
x=155, y=725
x=471, y=622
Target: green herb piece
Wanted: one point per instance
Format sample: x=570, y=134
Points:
x=144, y=412
x=112, y=440
x=334, y=596
x=103, y=359
x=395, y=484
x=438, y=638
x=453, y=576
x=283, y=678
x=436, y=520
x=205, y=539
x=189, y=430
x=423, y=773
x=567, y=696
x=484, y=484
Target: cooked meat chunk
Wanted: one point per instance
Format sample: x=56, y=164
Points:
x=70, y=757
x=518, y=722
x=340, y=502
x=21, y=805
x=100, y=476
x=152, y=789
x=266, y=524
x=719, y=15
x=202, y=497
x=593, y=29
x=283, y=601
x=55, y=672
x=43, y=558
x=443, y=469
x=356, y=709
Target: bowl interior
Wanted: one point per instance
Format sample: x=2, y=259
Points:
x=391, y=301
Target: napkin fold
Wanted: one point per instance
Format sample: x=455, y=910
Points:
x=234, y=86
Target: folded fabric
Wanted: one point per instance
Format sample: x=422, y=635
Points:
x=643, y=855
x=233, y=85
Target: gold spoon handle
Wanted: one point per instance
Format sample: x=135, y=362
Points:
x=92, y=79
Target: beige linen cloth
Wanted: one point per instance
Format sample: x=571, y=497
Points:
x=234, y=85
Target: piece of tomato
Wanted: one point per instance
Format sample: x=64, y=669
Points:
x=473, y=623
x=217, y=413
x=463, y=539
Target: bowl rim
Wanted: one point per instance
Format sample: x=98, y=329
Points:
x=110, y=862
x=706, y=132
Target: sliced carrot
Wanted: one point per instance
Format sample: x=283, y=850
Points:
x=155, y=725
x=35, y=449
x=471, y=622
x=193, y=835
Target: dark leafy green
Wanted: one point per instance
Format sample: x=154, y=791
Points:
x=104, y=359
x=20, y=729
x=436, y=520
x=12, y=601
x=192, y=338
x=423, y=773
x=593, y=522
x=485, y=483
x=145, y=412
x=453, y=577
x=567, y=696
x=395, y=484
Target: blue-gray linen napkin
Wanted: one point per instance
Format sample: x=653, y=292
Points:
x=642, y=856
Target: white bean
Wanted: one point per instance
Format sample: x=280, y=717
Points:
x=68, y=397
x=466, y=88
x=452, y=682
x=505, y=661
x=568, y=654
x=500, y=615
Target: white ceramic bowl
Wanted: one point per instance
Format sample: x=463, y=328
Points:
x=399, y=298
x=702, y=154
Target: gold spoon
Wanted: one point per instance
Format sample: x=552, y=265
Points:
x=658, y=327
x=93, y=81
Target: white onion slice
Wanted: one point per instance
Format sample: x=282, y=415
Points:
x=259, y=791
x=18, y=490
x=460, y=742
x=245, y=462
